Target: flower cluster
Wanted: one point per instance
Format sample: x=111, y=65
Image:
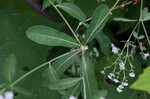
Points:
x=7, y=95
x=120, y=69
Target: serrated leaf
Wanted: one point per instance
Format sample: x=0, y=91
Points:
x=64, y=84
x=73, y=10
x=50, y=37
x=100, y=18
x=89, y=79
x=143, y=81
x=64, y=63
x=104, y=43
x=8, y=68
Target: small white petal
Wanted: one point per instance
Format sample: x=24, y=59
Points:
x=146, y=55
x=86, y=47
x=9, y=95
x=121, y=86
x=119, y=90
x=125, y=84
x=1, y=97
x=72, y=97
x=122, y=66
x=96, y=52
x=116, y=80
x=103, y=72
x=132, y=74
x=83, y=36
x=110, y=77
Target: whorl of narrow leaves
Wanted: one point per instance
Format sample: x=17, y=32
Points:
x=48, y=36
x=100, y=18
x=73, y=10
x=64, y=83
x=143, y=82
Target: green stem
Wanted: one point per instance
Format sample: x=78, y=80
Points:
x=94, y=30
x=62, y=16
x=39, y=67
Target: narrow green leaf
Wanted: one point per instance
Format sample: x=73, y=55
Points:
x=73, y=10
x=64, y=83
x=50, y=37
x=100, y=18
x=65, y=62
x=89, y=79
x=75, y=91
x=8, y=68
x=143, y=81
x=124, y=20
x=104, y=43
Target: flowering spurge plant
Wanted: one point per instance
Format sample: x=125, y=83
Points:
x=73, y=74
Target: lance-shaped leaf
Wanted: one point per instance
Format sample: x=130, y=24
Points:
x=73, y=10
x=50, y=37
x=100, y=18
x=65, y=62
x=64, y=84
x=104, y=43
x=8, y=68
x=89, y=79
x=143, y=81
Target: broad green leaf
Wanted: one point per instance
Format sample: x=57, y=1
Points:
x=89, y=79
x=50, y=37
x=64, y=83
x=100, y=18
x=143, y=81
x=73, y=10
x=65, y=62
x=8, y=68
x=124, y=20
x=104, y=43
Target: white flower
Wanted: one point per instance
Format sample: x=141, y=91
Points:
x=102, y=72
x=119, y=90
x=124, y=83
x=146, y=55
x=9, y=95
x=72, y=97
x=96, y=52
x=132, y=74
x=115, y=50
x=116, y=80
x=121, y=86
x=122, y=65
x=1, y=97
